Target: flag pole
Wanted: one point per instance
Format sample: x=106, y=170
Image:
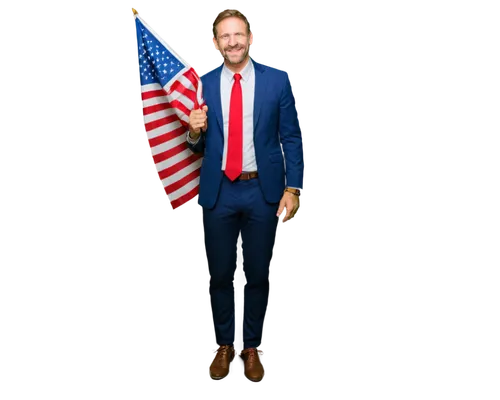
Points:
x=133, y=11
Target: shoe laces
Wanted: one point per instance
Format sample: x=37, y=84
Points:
x=220, y=352
x=252, y=354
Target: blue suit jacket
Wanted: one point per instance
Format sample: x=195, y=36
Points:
x=274, y=120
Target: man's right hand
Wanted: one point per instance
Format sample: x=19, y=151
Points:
x=197, y=122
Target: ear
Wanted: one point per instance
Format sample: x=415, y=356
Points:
x=215, y=45
x=250, y=40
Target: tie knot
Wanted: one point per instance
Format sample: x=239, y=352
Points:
x=237, y=77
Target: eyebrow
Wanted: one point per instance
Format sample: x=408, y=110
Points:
x=235, y=33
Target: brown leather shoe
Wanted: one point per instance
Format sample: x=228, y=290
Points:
x=253, y=368
x=220, y=365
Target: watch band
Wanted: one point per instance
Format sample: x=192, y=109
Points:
x=294, y=191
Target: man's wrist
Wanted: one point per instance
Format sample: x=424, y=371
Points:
x=294, y=191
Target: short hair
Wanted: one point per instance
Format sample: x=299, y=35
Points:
x=230, y=12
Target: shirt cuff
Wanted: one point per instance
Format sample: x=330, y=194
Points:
x=191, y=141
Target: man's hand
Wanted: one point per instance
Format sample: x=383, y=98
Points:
x=291, y=202
x=198, y=122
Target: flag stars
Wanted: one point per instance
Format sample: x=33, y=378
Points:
x=156, y=62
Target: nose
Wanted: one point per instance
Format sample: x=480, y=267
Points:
x=232, y=40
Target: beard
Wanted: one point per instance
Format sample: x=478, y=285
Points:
x=239, y=59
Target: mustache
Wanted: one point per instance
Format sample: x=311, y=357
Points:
x=236, y=47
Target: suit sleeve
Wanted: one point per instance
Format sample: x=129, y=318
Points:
x=290, y=137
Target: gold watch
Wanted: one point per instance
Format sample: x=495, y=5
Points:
x=294, y=191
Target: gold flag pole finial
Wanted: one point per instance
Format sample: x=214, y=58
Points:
x=133, y=10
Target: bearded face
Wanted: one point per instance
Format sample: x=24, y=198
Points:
x=233, y=41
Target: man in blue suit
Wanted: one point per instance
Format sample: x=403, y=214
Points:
x=245, y=183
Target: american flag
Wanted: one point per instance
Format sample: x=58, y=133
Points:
x=170, y=90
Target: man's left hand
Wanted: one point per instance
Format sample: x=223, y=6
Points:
x=291, y=202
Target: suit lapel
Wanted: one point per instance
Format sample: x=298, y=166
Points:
x=260, y=91
x=216, y=99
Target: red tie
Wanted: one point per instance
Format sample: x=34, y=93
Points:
x=234, y=160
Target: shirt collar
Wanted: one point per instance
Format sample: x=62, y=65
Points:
x=245, y=72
